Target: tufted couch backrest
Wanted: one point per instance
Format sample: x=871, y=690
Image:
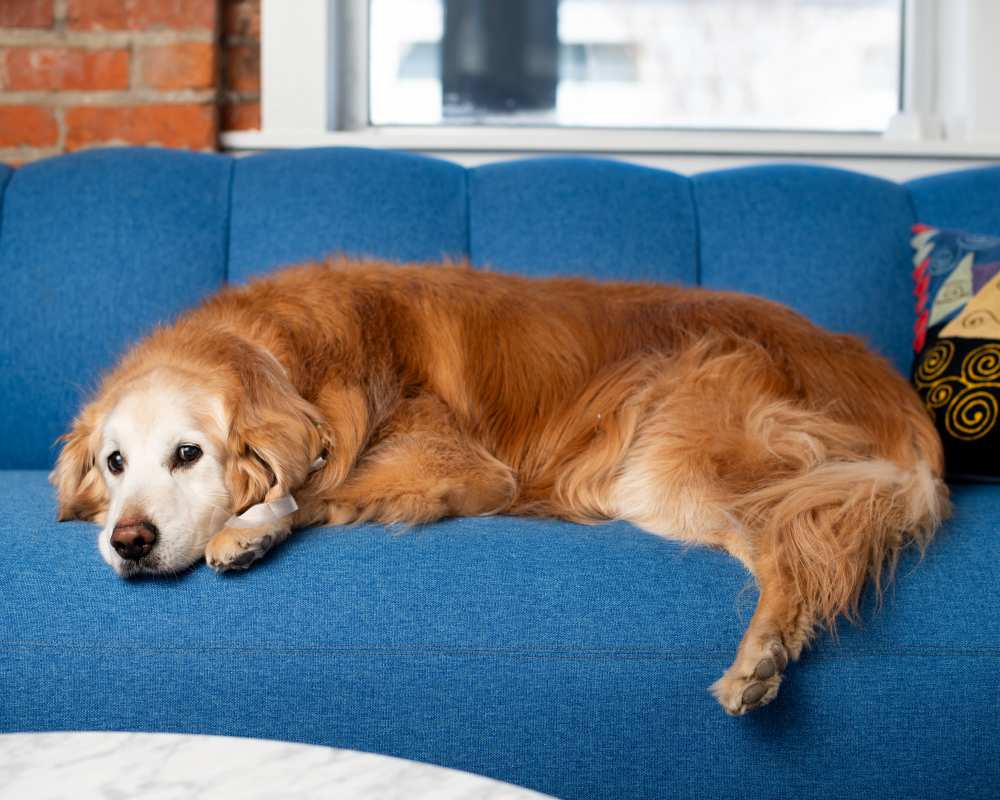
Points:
x=97, y=247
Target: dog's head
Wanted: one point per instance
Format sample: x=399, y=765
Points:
x=162, y=457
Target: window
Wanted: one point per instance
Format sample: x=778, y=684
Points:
x=821, y=65
x=897, y=88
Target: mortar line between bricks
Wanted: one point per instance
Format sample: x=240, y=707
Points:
x=60, y=11
x=239, y=97
x=113, y=97
x=96, y=40
x=26, y=153
x=135, y=59
x=60, y=117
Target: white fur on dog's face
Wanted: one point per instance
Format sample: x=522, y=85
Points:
x=186, y=502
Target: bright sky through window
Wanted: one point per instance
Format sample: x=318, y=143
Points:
x=830, y=65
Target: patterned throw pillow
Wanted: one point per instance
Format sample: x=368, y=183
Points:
x=956, y=369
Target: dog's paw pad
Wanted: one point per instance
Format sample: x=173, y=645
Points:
x=765, y=669
x=753, y=680
x=740, y=695
x=244, y=559
x=754, y=694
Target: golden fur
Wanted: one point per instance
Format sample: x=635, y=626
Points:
x=710, y=417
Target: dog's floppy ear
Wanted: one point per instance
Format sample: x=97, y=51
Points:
x=79, y=486
x=274, y=436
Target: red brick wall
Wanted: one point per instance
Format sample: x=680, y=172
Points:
x=90, y=73
x=240, y=65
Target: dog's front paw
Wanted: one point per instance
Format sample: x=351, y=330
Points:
x=238, y=548
x=753, y=679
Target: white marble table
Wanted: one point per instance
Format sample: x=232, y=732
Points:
x=144, y=766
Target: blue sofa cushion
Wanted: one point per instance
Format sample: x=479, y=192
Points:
x=95, y=249
x=965, y=199
x=308, y=204
x=574, y=660
x=580, y=216
x=829, y=243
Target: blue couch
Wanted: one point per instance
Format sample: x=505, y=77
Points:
x=573, y=660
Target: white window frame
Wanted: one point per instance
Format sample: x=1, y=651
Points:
x=314, y=92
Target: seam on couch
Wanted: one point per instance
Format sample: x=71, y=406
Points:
x=423, y=647
x=468, y=214
x=556, y=653
x=697, y=232
x=4, y=183
x=228, y=229
x=914, y=217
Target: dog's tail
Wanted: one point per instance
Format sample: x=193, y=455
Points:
x=832, y=525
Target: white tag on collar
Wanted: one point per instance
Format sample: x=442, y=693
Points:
x=263, y=513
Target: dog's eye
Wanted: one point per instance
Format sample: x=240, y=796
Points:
x=116, y=463
x=187, y=454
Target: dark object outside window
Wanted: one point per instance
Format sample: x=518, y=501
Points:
x=500, y=56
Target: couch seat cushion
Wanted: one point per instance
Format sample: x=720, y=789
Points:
x=573, y=660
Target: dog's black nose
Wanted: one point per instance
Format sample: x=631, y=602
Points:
x=133, y=538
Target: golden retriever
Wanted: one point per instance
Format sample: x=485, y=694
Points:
x=359, y=390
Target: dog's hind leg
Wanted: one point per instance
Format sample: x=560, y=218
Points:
x=780, y=627
x=819, y=537
x=812, y=540
x=815, y=506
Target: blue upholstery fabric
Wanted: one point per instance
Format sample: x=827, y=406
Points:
x=5, y=173
x=95, y=249
x=826, y=242
x=580, y=216
x=571, y=659
x=966, y=200
x=574, y=660
x=309, y=204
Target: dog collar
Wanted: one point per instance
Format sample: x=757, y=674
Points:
x=271, y=511
x=263, y=513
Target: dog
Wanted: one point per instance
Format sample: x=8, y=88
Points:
x=347, y=391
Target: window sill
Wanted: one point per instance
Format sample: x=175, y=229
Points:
x=577, y=140
x=682, y=151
